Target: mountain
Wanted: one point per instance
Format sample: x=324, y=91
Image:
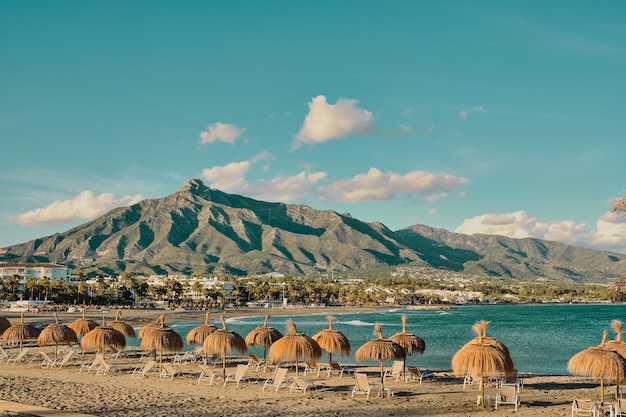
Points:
x=198, y=229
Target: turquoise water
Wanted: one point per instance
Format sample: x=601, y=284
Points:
x=540, y=338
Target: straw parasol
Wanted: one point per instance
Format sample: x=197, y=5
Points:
x=223, y=341
x=293, y=346
x=82, y=325
x=381, y=350
x=56, y=333
x=479, y=357
x=103, y=337
x=332, y=341
x=617, y=345
x=600, y=362
x=162, y=338
x=121, y=326
x=412, y=344
x=263, y=336
x=484, y=325
x=20, y=332
x=4, y=324
x=198, y=334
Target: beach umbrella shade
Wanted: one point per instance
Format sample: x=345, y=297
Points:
x=4, y=324
x=223, y=341
x=162, y=338
x=380, y=350
x=20, y=332
x=509, y=366
x=617, y=344
x=82, y=325
x=263, y=336
x=332, y=341
x=55, y=334
x=481, y=358
x=103, y=337
x=411, y=343
x=600, y=362
x=293, y=346
x=121, y=326
x=198, y=334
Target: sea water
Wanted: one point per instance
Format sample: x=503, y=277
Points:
x=540, y=338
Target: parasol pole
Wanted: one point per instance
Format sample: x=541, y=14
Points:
x=330, y=327
x=267, y=337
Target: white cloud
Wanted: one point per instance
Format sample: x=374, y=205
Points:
x=464, y=113
x=221, y=132
x=288, y=188
x=332, y=121
x=378, y=185
x=401, y=130
x=85, y=205
x=610, y=233
x=229, y=178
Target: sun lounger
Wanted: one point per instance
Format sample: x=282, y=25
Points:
x=335, y=369
x=46, y=361
x=277, y=381
x=396, y=370
x=239, y=375
x=143, y=371
x=253, y=360
x=508, y=395
x=169, y=371
x=19, y=357
x=302, y=384
x=3, y=354
x=414, y=374
x=67, y=358
x=583, y=407
x=314, y=367
x=620, y=407
x=363, y=386
x=208, y=374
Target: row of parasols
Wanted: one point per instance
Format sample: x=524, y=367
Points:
x=481, y=357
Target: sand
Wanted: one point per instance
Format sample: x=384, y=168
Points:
x=118, y=394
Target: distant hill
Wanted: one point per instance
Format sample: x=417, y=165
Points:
x=198, y=229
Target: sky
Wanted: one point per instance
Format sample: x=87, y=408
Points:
x=476, y=117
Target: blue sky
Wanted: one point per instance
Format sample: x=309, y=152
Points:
x=477, y=117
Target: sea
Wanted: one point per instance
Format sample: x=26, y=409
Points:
x=540, y=337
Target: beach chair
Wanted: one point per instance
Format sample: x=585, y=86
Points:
x=363, y=386
x=508, y=395
x=277, y=381
x=207, y=373
x=414, y=374
x=335, y=369
x=314, y=367
x=3, y=354
x=470, y=380
x=67, y=358
x=103, y=367
x=169, y=371
x=46, y=361
x=143, y=371
x=253, y=360
x=21, y=356
x=396, y=370
x=620, y=408
x=583, y=407
x=302, y=384
x=238, y=376
x=513, y=379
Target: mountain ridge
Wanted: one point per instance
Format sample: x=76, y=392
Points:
x=198, y=229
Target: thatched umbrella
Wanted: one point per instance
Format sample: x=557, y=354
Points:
x=19, y=332
x=293, y=346
x=223, y=341
x=484, y=325
x=121, y=326
x=381, y=350
x=263, y=336
x=617, y=345
x=56, y=333
x=599, y=362
x=82, y=325
x=4, y=324
x=163, y=339
x=198, y=334
x=103, y=337
x=332, y=341
x=479, y=357
x=411, y=343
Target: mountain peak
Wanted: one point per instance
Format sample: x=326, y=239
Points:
x=195, y=186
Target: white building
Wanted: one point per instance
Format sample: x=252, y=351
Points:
x=26, y=271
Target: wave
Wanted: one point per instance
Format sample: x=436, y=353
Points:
x=356, y=323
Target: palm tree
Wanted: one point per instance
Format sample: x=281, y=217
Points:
x=619, y=206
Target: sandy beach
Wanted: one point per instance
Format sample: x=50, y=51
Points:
x=118, y=394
